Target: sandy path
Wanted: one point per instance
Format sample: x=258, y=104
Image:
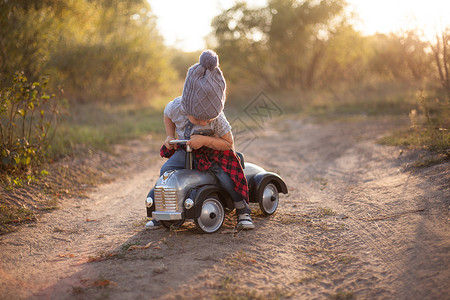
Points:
x=358, y=222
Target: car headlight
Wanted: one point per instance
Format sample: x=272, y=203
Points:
x=149, y=202
x=188, y=203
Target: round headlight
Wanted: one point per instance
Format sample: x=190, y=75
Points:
x=149, y=202
x=188, y=203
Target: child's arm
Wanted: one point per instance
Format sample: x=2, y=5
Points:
x=170, y=131
x=222, y=143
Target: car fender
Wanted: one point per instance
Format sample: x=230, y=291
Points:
x=199, y=194
x=260, y=180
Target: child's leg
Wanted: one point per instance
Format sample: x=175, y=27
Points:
x=175, y=162
x=242, y=209
x=239, y=203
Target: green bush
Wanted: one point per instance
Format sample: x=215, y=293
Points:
x=27, y=122
x=429, y=126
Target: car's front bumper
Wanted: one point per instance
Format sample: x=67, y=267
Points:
x=166, y=215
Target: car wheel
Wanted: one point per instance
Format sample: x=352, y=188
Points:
x=269, y=199
x=211, y=216
x=172, y=224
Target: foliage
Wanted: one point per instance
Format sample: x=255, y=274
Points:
x=182, y=61
x=308, y=55
x=441, y=51
x=431, y=122
x=401, y=56
x=27, y=122
x=9, y=215
x=282, y=45
x=293, y=45
x=99, y=50
x=429, y=126
x=346, y=58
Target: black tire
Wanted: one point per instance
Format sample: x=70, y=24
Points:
x=212, y=215
x=171, y=224
x=268, y=201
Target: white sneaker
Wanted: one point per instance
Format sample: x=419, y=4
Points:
x=153, y=224
x=245, y=222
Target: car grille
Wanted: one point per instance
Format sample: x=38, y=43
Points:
x=165, y=199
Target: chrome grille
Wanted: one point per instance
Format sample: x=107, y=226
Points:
x=165, y=199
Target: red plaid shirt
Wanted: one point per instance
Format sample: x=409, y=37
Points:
x=227, y=160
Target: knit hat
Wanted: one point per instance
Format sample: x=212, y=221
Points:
x=204, y=89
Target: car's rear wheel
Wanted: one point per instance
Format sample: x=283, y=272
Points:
x=211, y=216
x=172, y=224
x=269, y=199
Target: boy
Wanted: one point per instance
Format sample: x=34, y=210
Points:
x=201, y=108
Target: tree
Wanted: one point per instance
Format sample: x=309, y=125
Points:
x=97, y=50
x=401, y=56
x=281, y=45
x=441, y=53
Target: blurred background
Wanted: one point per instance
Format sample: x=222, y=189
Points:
x=86, y=74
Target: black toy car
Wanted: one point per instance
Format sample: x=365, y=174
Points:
x=192, y=194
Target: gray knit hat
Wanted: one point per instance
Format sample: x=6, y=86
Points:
x=204, y=89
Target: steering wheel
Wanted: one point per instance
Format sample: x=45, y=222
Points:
x=178, y=142
x=181, y=142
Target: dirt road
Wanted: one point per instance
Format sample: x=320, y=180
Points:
x=358, y=222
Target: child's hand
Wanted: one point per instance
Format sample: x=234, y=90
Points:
x=196, y=141
x=166, y=142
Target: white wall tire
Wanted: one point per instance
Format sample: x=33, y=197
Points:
x=211, y=216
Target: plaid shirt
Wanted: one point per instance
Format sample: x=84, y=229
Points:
x=227, y=160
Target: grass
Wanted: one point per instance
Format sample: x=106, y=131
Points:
x=96, y=126
x=325, y=211
x=371, y=99
x=430, y=161
x=346, y=259
x=429, y=127
x=341, y=295
x=231, y=289
x=290, y=219
x=424, y=138
x=11, y=215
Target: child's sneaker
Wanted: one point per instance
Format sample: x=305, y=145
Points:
x=245, y=222
x=153, y=224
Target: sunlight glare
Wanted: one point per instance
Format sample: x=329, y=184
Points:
x=384, y=16
x=185, y=24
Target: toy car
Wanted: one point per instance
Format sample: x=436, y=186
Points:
x=188, y=193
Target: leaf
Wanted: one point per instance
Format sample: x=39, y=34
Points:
x=134, y=247
x=67, y=255
x=103, y=283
